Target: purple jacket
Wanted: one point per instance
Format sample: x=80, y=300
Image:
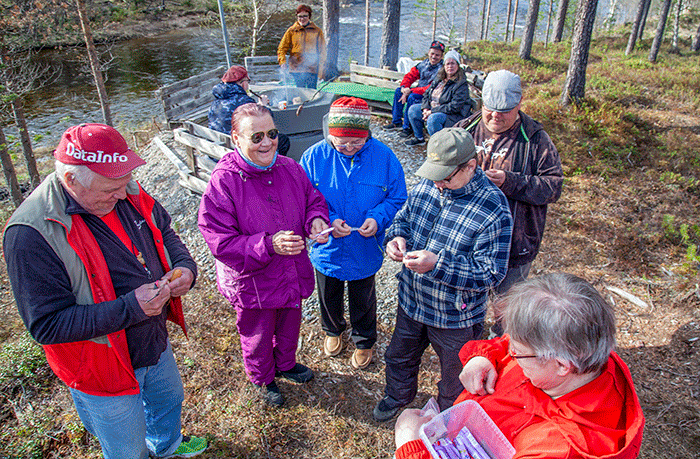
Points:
x=241, y=210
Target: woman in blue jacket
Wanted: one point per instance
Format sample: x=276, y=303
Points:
x=364, y=186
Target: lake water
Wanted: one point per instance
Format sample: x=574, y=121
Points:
x=142, y=65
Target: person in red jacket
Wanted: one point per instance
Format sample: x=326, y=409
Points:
x=96, y=270
x=552, y=384
x=405, y=95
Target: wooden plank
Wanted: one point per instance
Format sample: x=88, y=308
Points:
x=253, y=60
x=219, y=138
x=376, y=72
x=182, y=168
x=204, y=146
x=193, y=183
x=370, y=81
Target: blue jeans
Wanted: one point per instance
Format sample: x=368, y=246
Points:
x=397, y=109
x=435, y=122
x=305, y=79
x=127, y=426
x=415, y=117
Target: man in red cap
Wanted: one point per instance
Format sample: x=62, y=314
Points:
x=96, y=269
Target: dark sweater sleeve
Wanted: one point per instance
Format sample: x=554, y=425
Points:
x=179, y=255
x=44, y=297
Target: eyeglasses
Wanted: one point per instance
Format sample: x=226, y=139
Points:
x=349, y=146
x=519, y=356
x=258, y=137
x=302, y=16
x=451, y=176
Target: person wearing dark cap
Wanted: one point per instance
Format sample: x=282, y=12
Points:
x=406, y=95
x=363, y=183
x=519, y=157
x=230, y=94
x=452, y=237
x=116, y=271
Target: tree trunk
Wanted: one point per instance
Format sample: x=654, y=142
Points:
x=640, y=33
x=676, y=24
x=367, y=32
x=508, y=13
x=466, y=23
x=435, y=14
x=635, y=27
x=21, y=121
x=8, y=170
x=656, y=45
x=515, y=18
x=94, y=62
x=575, y=85
x=488, y=20
x=549, y=22
x=389, y=54
x=483, y=19
x=533, y=11
x=256, y=24
x=609, y=21
x=696, y=41
x=331, y=29
x=560, y=20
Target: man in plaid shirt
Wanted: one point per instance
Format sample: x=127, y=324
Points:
x=453, y=237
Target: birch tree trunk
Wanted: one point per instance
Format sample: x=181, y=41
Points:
x=663, y=17
x=676, y=24
x=560, y=21
x=533, y=11
x=635, y=27
x=575, y=85
x=94, y=62
x=515, y=18
x=331, y=28
x=466, y=23
x=389, y=55
x=508, y=13
x=18, y=112
x=488, y=20
x=435, y=14
x=8, y=169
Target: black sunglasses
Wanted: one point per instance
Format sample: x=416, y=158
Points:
x=258, y=137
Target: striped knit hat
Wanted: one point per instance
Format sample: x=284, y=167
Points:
x=349, y=117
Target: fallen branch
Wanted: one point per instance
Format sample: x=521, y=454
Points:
x=628, y=296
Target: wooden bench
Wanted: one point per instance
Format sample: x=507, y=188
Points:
x=189, y=99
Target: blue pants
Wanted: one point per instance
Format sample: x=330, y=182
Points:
x=397, y=109
x=435, y=122
x=305, y=79
x=403, y=356
x=128, y=426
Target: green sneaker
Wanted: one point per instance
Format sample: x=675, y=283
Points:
x=191, y=446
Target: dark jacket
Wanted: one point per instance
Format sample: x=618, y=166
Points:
x=534, y=180
x=228, y=97
x=454, y=100
x=424, y=73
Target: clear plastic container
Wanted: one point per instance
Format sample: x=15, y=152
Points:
x=470, y=414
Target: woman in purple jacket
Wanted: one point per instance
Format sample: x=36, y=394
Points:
x=255, y=215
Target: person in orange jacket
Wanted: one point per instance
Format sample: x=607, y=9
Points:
x=306, y=47
x=552, y=384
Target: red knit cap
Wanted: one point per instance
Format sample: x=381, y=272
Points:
x=235, y=74
x=349, y=117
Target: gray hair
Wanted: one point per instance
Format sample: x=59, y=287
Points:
x=560, y=316
x=83, y=174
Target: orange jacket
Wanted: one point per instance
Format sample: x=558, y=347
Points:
x=602, y=419
x=306, y=48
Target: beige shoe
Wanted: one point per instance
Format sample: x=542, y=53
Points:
x=361, y=358
x=332, y=345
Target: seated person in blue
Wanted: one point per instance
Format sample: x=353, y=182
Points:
x=229, y=95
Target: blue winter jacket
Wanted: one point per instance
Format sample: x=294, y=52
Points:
x=370, y=184
x=228, y=96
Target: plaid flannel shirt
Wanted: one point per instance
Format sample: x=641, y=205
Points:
x=469, y=229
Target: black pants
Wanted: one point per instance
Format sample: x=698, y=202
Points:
x=362, y=303
x=409, y=341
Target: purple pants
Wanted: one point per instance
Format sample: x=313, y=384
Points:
x=268, y=341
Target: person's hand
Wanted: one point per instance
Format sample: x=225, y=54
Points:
x=264, y=100
x=368, y=228
x=426, y=113
x=479, y=376
x=420, y=261
x=317, y=226
x=179, y=285
x=287, y=243
x=498, y=177
x=408, y=425
x=340, y=228
x=405, y=92
x=396, y=248
x=152, y=297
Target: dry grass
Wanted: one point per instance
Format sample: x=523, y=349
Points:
x=630, y=154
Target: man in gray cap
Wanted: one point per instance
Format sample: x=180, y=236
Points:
x=518, y=156
x=452, y=236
